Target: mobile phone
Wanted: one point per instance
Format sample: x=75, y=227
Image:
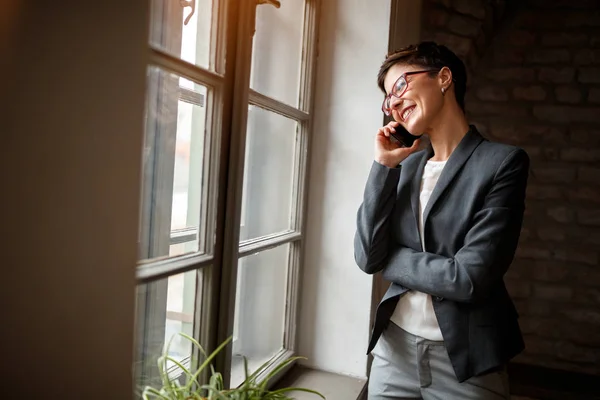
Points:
x=403, y=136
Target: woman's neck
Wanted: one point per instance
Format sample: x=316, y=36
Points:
x=447, y=133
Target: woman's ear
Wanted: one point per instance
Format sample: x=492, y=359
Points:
x=445, y=78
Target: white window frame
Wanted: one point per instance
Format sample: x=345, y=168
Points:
x=228, y=97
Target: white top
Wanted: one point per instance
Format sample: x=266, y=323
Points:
x=414, y=311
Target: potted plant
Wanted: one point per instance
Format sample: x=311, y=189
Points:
x=250, y=389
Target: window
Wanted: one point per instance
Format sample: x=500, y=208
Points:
x=224, y=167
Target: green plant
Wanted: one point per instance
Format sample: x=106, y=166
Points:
x=250, y=389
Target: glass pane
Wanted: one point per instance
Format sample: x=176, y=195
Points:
x=183, y=29
x=259, y=310
x=268, y=173
x=172, y=165
x=165, y=308
x=277, y=51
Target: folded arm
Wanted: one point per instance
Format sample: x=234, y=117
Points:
x=372, y=238
x=488, y=249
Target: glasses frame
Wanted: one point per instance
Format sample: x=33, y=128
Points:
x=387, y=110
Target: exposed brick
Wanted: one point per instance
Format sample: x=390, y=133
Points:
x=498, y=109
x=580, y=155
x=464, y=25
x=594, y=95
x=537, y=345
x=510, y=56
x=557, y=75
x=460, y=45
x=587, y=57
x=585, y=235
x=445, y=3
x=571, y=352
x=583, y=19
x=564, y=39
x=572, y=4
x=552, y=292
x=549, y=271
x=492, y=93
x=560, y=214
x=531, y=19
x=568, y=94
x=547, y=134
x=587, y=194
x=589, y=174
x=579, y=314
x=528, y=134
x=577, y=256
x=513, y=74
x=585, y=276
x=534, y=253
x=583, y=136
x=554, y=56
x=566, y=114
x=481, y=41
x=531, y=93
x=518, y=288
x=537, y=307
x=551, y=234
x=583, y=334
x=589, y=75
x=588, y=217
x=585, y=295
x=551, y=154
x=521, y=38
x=534, y=152
x=437, y=17
x=555, y=174
x=470, y=7
x=545, y=327
x=541, y=192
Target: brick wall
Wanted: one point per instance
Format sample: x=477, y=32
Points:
x=535, y=82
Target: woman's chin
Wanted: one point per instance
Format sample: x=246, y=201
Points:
x=413, y=129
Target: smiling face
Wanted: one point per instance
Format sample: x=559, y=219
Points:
x=420, y=104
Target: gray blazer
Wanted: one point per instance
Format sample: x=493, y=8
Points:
x=472, y=224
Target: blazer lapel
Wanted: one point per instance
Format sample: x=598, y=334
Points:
x=416, y=187
x=456, y=161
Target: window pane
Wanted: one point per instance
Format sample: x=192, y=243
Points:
x=268, y=174
x=277, y=51
x=173, y=32
x=259, y=309
x=173, y=166
x=165, y=308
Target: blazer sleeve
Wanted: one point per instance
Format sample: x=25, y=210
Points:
x=372, y=238
x=489, y=246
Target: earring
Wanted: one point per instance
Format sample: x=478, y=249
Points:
x=443, y=91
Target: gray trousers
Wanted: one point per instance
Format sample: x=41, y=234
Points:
x=406, y=366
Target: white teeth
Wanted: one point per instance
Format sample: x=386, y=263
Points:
x=407, y=113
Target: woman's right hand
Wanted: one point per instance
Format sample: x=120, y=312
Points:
x=389, y=153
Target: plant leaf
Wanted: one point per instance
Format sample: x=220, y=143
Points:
x=194, y=342
x=209, y=359
x=280, y=367
x=292, y=389
x=152, y=391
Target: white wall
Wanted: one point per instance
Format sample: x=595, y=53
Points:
x=72, y=124
x=336, y=294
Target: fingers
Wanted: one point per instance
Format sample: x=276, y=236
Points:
x=415, y=145
x=388, y=129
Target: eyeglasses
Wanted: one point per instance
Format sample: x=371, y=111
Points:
x=399, y=88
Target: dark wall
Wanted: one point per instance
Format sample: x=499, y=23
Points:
x=535, y=82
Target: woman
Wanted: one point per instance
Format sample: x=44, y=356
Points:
x=442, y=225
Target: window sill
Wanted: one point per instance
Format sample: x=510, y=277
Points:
x=330, y=385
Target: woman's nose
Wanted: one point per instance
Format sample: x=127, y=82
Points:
x=395, y=103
